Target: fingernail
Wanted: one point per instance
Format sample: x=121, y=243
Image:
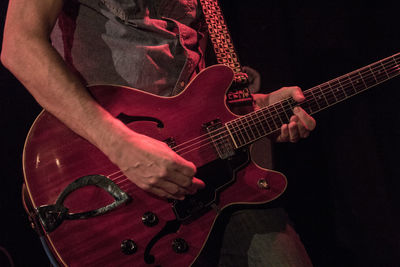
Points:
x=296, y=109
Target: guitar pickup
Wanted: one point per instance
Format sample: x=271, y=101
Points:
x=220, y=138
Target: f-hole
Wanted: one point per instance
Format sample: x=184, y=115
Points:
x=126, y=119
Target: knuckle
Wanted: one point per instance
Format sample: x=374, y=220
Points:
x=174, y=190
x=192, y=169
x=292, y=126
x=164, y=194
x=187, y=183
x=162, y=173
x=145, y=187
x=152, y=181
x=310, y=125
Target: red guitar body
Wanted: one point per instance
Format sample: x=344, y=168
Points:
x=55, y=157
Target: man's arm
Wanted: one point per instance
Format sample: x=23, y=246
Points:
x=28, y=54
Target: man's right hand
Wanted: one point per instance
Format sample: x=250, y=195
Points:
x=155, y=167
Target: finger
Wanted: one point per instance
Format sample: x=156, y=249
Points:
x=178, y=178
x=297, y=94
x=292, y=91
x=302, y=131
x=172, y=189
x=294, y=135
x=178, y=192
x=155, y=190
x=172, y=182
x=196, y=185
x=286, y=92
x=260, y=100
x=308, y=121
x=284, y=136
x=183, y=166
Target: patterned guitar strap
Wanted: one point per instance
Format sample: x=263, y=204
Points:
x=238, y=94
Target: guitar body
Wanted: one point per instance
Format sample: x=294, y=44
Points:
x=55, y=157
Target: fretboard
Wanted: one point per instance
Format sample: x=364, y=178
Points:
x=247, y=129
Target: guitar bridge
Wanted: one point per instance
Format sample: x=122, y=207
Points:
x=220, y=138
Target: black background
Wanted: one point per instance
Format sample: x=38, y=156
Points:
x=343, y=193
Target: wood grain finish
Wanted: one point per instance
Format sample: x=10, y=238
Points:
x=54, y=157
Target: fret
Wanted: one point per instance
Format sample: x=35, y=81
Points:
x=252, y=126
x=319, y=97
x=373, y=74
x=347, y=86
x=260, y=125
x=246, y=135
x=394, y=58
x=266, y=119
x=384, y=68
x=368, y=77
x=248, y=128
x=390, y=66
x=380, y=73
x=290, y=103
x=237, y=130
x=233, y=133
x=357, y=81
x=255, y=126
x=307, y=104
x=328, y=92
x=284, y=111
x=273, y=117
x=240, y=138
x=279, y=114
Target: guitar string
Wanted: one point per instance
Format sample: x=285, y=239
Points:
x=246, y=116
x=376, y=76
x=127, y=181
x=370, y=75
x=376, y=79
x=281, y=107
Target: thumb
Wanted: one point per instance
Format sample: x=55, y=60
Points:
x=196, y=185
x=296, y=93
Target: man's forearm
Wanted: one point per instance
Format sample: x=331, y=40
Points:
x=58, y=90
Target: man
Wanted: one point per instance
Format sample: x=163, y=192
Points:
x=155, y=46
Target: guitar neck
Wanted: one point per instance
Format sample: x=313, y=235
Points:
x=247, y=129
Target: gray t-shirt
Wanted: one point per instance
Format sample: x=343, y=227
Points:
x=151, y=45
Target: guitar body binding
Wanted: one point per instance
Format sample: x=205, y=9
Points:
x=55, y=158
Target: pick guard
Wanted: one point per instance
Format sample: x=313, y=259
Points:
x=54, y=157
x=217, y=175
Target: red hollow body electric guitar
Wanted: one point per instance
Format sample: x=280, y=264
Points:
x=92, y=215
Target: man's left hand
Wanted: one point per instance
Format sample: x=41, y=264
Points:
x=300, y=124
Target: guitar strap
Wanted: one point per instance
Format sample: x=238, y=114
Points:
x=225, y=52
